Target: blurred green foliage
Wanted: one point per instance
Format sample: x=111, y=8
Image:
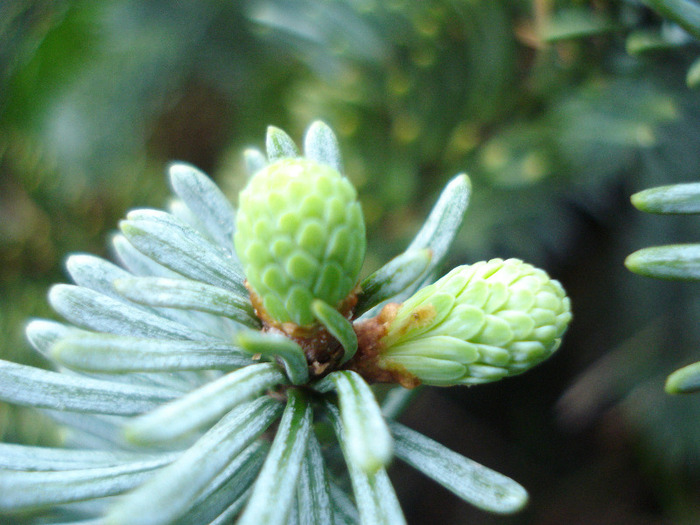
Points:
x=558, y=109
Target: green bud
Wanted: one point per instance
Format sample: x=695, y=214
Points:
x=300, y=235
x=479, y=323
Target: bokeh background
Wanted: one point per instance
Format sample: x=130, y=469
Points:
x=558, y=110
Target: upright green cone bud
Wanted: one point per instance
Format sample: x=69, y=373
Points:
x=477, y=324
x=300, y=235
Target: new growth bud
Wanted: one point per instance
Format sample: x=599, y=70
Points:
x=300, y=236
x=479, y=323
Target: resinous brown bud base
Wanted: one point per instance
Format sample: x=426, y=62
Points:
x=323, y=351
x=369, y=345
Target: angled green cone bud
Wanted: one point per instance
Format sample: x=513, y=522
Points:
x=477, y=324
x=300, y=236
